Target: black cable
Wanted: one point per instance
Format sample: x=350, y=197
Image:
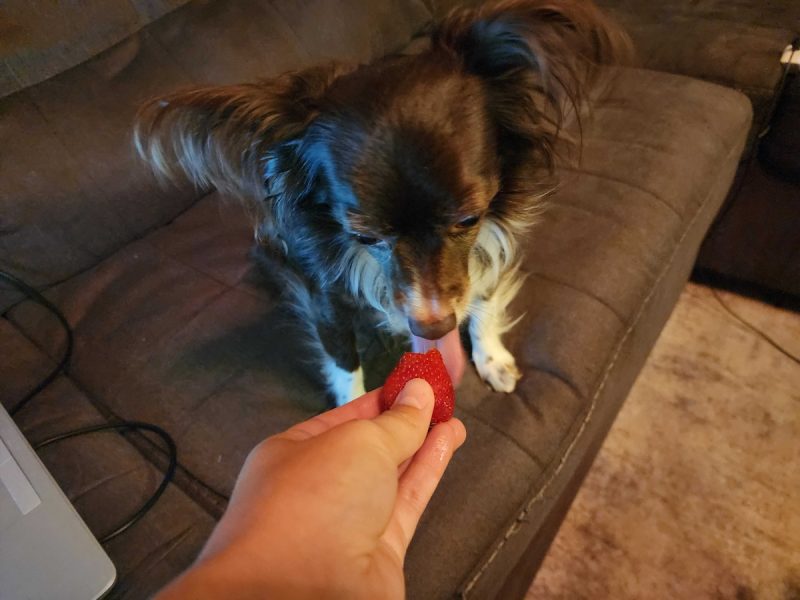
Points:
x=127, y=426
x=63, y=367
x=754, y=329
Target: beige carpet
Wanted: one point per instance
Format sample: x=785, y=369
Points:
x=696, y=491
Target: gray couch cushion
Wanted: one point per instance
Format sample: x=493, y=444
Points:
x=734, y=43
x=177, y=330
x=103, y=475
x=72, y=190
x=41, y=39
x=605, y=268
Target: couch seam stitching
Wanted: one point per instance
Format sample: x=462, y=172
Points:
x=582, y=292
x=46, y=287
x=628, y=184
x=514, y=442
x=590, y=412
x=104, y=410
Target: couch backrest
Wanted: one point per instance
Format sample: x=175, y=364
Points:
x=71, y=190
x=41, y=39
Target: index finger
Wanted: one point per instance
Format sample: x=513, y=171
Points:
x=367, y=406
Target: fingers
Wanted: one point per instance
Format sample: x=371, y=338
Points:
x=419, y=481
x=367, y=406
x=406, y=424
x=403, y=466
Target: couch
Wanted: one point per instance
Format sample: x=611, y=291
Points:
x=174, y=326
x=753, y=246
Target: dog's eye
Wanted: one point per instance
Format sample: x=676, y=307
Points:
x=367, y=240
x=468, y=222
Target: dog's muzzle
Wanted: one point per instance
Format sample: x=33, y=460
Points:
x=433, y=330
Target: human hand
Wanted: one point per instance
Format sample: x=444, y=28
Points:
x=327, y=508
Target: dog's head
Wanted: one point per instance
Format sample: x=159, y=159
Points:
x=408, y=177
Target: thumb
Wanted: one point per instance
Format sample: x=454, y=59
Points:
x=406, y=423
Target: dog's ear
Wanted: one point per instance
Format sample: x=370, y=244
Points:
x=228, y=136
x=536, y=55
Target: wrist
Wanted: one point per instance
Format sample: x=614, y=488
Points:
x=236, y=578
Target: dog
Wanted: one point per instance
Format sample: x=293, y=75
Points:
x=396, y=191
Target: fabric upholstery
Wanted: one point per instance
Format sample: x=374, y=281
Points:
x=780, y=148
x=103, y=475
x=440, y=8
x=736, y=43
x=177, y=329
x=41, y=39
x=72, y=192
x=757, y=241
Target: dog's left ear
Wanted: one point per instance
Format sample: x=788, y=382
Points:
x=537, y=57
x=229, y=136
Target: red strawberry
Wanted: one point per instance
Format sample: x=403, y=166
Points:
x=430, y=367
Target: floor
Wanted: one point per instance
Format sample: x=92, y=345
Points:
x=696, y=491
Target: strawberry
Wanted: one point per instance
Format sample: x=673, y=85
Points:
x=430, y=367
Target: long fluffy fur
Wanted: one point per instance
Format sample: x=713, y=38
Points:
x=226, y=136
x=298, y=146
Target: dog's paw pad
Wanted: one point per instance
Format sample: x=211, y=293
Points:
x=499, y=370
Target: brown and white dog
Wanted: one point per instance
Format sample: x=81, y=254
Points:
x=396, y=190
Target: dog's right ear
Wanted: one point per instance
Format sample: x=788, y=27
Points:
x=537, y=57
x=225, y=136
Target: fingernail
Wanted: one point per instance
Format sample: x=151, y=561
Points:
x=416, y=393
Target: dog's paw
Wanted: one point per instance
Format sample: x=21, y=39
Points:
x=497, y=368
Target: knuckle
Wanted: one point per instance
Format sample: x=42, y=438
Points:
x=407, y=418
x=265, y=449
x=408, y=424
x=415, y=498
x=361, y=435
x=431, y=470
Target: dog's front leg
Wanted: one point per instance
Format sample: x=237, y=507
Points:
x=488, y=321
x=341, y=366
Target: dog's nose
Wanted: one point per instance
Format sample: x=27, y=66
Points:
x=432, y=330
